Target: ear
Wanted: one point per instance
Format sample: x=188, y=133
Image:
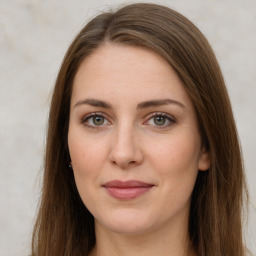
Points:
x=204, y=161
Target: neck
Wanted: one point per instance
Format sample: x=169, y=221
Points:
x=165, y=241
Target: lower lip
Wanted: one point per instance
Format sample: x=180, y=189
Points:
x=127, y=193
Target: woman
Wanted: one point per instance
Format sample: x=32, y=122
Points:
x=142, y=154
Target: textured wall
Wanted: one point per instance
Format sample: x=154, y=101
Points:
x=34, y=36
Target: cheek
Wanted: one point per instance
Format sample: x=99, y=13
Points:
x=177, y=153
x=86, y=154
x=176, y=159
x=176, y=165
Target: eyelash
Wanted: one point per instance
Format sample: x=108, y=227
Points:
x=171, y=120
x=91, y=115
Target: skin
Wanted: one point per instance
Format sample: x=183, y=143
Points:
x=129, y=144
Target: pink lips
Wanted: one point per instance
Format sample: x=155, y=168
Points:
x=127, y=189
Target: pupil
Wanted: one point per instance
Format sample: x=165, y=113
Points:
x=98, y=120
x=159, y=120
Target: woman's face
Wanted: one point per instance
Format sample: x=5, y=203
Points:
x=134, y=141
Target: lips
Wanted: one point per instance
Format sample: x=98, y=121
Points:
x=127, y=190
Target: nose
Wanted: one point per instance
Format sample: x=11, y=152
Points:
x=126, y=151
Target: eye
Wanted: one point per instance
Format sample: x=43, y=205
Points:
x=95, y=120
x=160, y=120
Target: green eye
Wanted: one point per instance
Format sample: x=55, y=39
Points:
x=98, y=120
x=95, y=120
x=159, y=120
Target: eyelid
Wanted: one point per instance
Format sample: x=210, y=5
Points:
x=93, y=114
x=153, y=114
x=169, y=117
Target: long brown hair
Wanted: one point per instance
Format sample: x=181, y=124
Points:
x=64, y=226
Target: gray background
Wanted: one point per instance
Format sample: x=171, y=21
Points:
x=34, y=36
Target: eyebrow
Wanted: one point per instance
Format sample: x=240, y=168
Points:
x=94, y=103
x=161, y=102
x=142, y=105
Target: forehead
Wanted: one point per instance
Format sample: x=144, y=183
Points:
x=127, y=71
x=110, y=59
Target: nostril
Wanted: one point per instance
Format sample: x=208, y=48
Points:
x=124, y=164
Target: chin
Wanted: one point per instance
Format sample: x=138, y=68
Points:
x=127, y=223
x=128, y=228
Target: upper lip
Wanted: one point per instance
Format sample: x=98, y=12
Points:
x=127, y=184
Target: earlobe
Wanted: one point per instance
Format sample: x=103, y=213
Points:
x=204, y=161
